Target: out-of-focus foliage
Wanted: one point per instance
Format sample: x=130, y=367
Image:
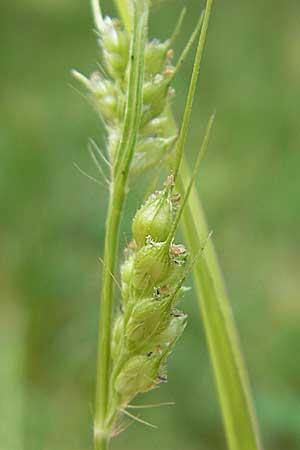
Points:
x=52, y=224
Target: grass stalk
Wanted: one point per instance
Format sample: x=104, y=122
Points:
x=192, y=88
x=125, y=9
x=102, y=442
x=238, y=412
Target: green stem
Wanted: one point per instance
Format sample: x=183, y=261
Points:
x=116, y=202
x=125, y=11
x=192, y=88
x=101, y=442
x=97, y=13
x=230, y=374
x=192, y=179
x=118, y=188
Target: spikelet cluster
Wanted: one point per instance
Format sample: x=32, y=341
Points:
x=107, y=89
x=152, y=277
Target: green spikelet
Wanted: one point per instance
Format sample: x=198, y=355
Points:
x=139, y=374
x=149, y=318
x=152, y=267
x=117, y=336
x=153, y=219
x=126, y=276
x=115, y=47
x=174, y=330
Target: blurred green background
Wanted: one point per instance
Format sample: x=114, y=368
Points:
x=52, y=224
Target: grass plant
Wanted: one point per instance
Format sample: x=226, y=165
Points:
x=132, y=92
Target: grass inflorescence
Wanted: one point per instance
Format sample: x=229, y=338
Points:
x=132, y=93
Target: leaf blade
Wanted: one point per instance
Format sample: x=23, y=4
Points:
x=231, y=378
